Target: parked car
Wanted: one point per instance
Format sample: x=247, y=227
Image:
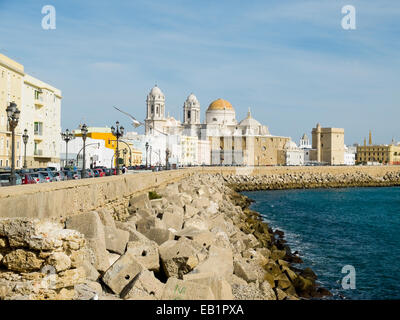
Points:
x=89, y=173
x=53, y=169
x=71, y=175
x=99, y=173
x=47, y=176
x=5, y=179
x=59, y=176
x=27, y=178
x=107, y=171
x=38, y=177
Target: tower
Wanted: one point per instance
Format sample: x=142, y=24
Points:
x=155, y=115
x=319, y=151
x=191, y=110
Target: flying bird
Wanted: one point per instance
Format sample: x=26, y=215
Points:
x=135, y=122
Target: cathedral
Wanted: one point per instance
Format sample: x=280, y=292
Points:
x=220, y=119
x=231, y=142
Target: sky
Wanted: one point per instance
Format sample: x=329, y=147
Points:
x=290, y=61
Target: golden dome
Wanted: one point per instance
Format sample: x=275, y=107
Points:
x=220, y=104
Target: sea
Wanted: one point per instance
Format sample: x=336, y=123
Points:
x=350, y=237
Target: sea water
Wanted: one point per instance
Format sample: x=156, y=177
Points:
x=334, y=228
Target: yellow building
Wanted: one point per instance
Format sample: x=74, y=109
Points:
x=384, y=154
x=127, y=153
x=327, y=145
x=11, y=76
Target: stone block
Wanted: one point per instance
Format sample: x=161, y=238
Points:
x=22, y=261
x=140, y=202
x=220, y=288
x=160, y=235
x=90, y=225
x=219, y=261
x=176, y=289
x=60, y=261
x=145, y=286
x=146, y=253
x=172, y=220
x=244, y=270
x=116, y=239
x=122, y=272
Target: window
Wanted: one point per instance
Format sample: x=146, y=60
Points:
x=38, y=128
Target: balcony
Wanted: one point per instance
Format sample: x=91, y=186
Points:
x=39, y=101
x=38, y=152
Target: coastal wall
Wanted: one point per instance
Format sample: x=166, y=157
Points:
x=62, y=199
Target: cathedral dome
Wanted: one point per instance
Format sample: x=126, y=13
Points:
x=156, y=92
x=220, y=104
x=249, y=121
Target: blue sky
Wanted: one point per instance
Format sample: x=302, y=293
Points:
x=290, y=61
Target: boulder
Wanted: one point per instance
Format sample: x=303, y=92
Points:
x=140, y=202
x=22, y=261
x=244, y=270
x=116, y=239
x=160, y=235
x=145, y=286
x=176, y=289
x=146, y=253
x=178, y=257
x=190, y=211
x=196, y=222
x=220, y=288
x=219, y=261
x=173, y=220
x=122, y=272
x=87, y=290
x=89, y=224
x=60, y=261
x=145, y=224
x=267, y=291
x=203, y=238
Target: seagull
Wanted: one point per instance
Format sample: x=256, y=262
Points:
x=135, y=122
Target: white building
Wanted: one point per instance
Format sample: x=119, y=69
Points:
x=306, y=147
x=350, y=155
x=41, y=116
x=97, y=154
x=294, y=155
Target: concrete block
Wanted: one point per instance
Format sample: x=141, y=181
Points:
x=122, y=272
x=146, y=253
x=176, y=289
x=220, y=288
x=145, y=286
x=116, y=239
x=160, y=235
x=172, y=220
x=244, y=270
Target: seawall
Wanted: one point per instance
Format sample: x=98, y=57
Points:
x=62, y=199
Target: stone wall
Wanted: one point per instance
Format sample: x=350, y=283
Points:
x=62, y=199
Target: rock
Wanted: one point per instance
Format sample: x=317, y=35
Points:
x=197, y=223
x=172, y=220
x=146, y=253
x=220, y=288
x=22, y=261
x=145, y=224
x=116, y=239
x=106, y=218
x=60, y=261
x=140, y=202
x=190, y=211
x=244, y=270
x=280, y=294
x=160, y=235
x=70, y=278
x=219, y=261
x=176, y=289
x=87, y=290
x=122, y=272
x=145, y=286
x=203, y=238
x=201, y=203
x=89, y=224
x=267, y=291
x=178, y=257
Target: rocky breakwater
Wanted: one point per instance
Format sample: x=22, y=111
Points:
x=194, y=239
x=308, y=180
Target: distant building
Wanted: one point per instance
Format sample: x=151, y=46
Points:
x=306, y=147
x=294, y=154
x=327, y=145
x=378, y=154
x=40, y=107
x=350, y=155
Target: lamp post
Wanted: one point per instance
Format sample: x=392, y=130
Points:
x=67, y=137
x=147, y=152
x=13, y=118
x=84, y=131
x=25, y=138
x=167, y=153
x=118, y=132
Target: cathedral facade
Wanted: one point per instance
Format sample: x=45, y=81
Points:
x=231, y=142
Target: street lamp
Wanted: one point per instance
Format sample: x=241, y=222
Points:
x=147, y=152
x=13, y=118
x=117, y=132
x=84, y=131
x=25, y=138
x=167, y=153
x=67, y=137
